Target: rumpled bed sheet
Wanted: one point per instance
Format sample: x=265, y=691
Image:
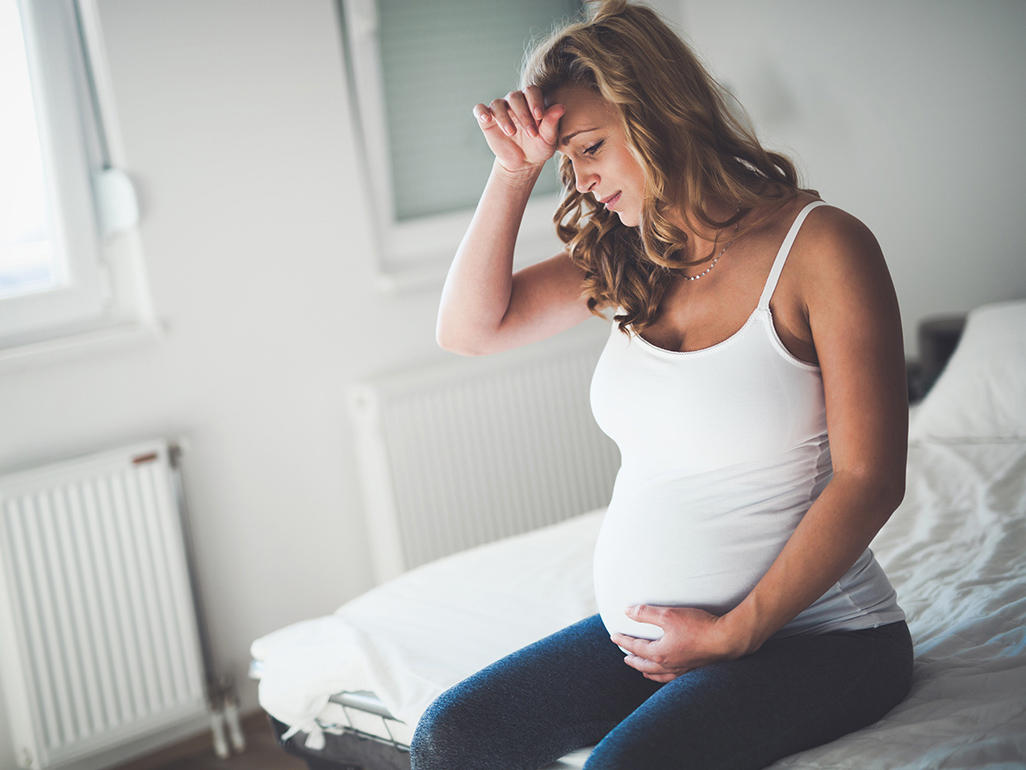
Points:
x=955, y=551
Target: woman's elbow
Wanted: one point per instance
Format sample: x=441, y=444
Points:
x=877, y=491
x=458, y=344
x=885, y=490
x=459, y=350
x=894, y=493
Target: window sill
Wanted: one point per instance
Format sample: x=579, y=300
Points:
x=427, y=268
x=78, y=343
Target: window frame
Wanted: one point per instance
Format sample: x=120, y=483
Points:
x=105, y=296
x=413, y=253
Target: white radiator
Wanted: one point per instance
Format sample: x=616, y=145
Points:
x=98, y=630
x=475, y=449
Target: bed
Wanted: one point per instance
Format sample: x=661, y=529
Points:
x=346, y=690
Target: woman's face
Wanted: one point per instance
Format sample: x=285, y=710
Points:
x=592, y=137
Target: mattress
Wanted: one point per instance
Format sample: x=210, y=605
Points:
x=955, y=550
x=410, y=638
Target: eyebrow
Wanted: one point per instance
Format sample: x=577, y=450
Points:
x=566, y=139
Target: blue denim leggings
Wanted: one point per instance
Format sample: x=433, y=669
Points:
x=572, y=689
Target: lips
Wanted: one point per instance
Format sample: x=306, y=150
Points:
x=607, y=202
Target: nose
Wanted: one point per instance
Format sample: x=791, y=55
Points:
x=585, y=180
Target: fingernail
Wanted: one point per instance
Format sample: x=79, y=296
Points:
x=483, y=117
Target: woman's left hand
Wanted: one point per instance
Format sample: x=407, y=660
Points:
x=691, y=638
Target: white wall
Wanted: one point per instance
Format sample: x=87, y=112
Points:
x=910, y=115
x=236, y=129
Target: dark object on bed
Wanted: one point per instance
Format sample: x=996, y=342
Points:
x=938, y=338
x=344, y=752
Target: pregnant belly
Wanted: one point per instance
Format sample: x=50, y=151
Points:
x=668, y=558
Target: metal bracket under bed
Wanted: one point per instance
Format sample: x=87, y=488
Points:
x=347, y=747
x=368, y=703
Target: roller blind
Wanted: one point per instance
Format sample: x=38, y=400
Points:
x=438, y=59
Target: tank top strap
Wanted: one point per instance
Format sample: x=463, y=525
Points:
x=785, y=249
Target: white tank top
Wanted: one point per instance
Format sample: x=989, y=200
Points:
x=723, y=450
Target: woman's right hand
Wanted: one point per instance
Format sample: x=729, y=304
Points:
x=519, y=129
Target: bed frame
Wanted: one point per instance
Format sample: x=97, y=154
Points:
x=413, y=428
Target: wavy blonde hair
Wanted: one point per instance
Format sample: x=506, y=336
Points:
x=692, y=149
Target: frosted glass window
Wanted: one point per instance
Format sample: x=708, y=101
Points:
x=438, y=59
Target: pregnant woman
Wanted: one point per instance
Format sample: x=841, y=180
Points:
x=754, y=382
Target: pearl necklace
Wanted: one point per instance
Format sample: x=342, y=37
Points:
x=737, y=226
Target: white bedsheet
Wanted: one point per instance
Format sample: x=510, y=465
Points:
x=955, y=550
x=411, y=638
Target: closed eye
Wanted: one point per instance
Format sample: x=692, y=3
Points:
x=591, y=150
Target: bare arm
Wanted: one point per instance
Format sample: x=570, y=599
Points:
x=856, y=328
x=484, y=307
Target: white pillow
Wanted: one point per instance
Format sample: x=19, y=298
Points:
x=981, y=394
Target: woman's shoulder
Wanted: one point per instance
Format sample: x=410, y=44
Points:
x=832, y=228
x=833, y=252
x=826, y=225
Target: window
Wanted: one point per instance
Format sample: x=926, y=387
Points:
x=417, y=70
x=67, y=268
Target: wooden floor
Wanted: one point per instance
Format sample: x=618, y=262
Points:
x=262, y=753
